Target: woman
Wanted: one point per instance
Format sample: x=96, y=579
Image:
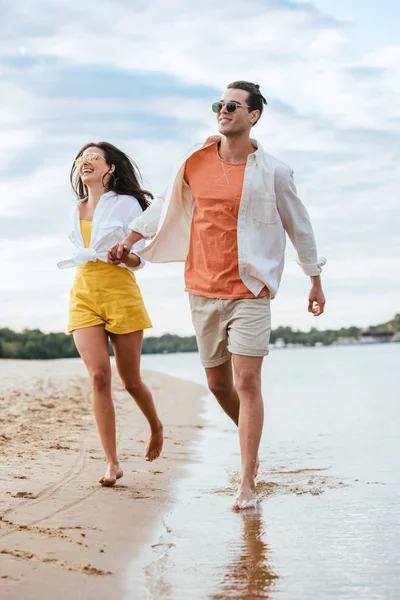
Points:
x=105, y=300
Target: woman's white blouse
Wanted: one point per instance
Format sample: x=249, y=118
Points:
x=110, y=225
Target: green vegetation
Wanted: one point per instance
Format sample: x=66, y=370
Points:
x=169, y=343
x=34, y=344
x=393, y=325
x=327, y=337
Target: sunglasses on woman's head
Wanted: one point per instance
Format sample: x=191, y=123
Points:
x=92, y=157
x=230, y=106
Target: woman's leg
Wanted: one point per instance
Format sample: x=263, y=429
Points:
x=92, y=345
x=127, y=350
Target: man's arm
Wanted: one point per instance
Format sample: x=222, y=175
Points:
x=144, y=226
x=316, y=297
x=296, y=222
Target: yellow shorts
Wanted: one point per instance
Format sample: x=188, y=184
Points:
x=109, y=295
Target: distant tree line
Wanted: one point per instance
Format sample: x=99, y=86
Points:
x=34, y=344
x=310, y=338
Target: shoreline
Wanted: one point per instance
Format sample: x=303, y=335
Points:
x=57, y=531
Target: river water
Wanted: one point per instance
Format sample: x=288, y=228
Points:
x=327, y=520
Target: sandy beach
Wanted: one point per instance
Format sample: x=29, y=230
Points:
x=61, y=534
x=326, y=522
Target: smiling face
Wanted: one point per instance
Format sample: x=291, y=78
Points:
x=93, y=167
x=239, y=121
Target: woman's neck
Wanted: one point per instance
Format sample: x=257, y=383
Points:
x=94, y=194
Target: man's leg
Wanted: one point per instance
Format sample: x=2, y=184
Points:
x=220, y=383
x=212, y=341
x=251, y=419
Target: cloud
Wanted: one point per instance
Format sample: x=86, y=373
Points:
x=143, y=75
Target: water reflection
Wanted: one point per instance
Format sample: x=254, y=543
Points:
x=249, y=574
x=191, y=566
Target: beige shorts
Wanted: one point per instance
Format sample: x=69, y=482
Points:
x=226, y=327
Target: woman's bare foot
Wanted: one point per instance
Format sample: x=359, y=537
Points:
x=113, y=473
x=155, y=444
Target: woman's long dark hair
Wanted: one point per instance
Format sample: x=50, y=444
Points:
x=126, y=178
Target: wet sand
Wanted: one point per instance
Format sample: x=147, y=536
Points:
x=61, y=534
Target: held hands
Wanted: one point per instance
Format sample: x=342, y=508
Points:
x=316, y=300
x=121, y=252
x=117, y=254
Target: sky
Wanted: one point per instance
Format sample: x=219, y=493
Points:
x=143, y=75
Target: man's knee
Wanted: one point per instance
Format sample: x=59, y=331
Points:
x=248, y=380
x=219, y=386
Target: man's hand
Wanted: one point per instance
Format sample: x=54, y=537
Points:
x=316, y=298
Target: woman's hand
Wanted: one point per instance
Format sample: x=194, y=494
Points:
x=130, y=260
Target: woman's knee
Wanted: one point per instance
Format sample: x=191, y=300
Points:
x=101, y=380
x=133, y=387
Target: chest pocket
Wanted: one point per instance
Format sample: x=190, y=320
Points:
x=264, y=209
x=110, y=234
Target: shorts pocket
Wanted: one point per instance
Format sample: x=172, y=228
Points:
x=264, y=209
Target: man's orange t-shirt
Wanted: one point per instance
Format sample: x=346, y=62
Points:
x=212, y=267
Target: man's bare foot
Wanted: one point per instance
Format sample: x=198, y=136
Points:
x=155, y=444
x=256, y=468
x=113, y=473
x=244, y=497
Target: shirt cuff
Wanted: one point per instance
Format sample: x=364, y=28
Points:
x=145, y=229
x=141, y=264
x=313, y=270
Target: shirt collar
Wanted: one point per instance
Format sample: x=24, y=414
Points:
x=258, y=154
x=109, y=194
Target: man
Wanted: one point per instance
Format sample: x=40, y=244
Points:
x=225, y=214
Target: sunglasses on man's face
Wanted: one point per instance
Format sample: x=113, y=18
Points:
x=230, y=106
x=91, y=158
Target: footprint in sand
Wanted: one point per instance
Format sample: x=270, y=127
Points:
x=162, y=548
x=24, y=495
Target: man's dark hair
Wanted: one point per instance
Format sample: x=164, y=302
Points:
x=255, y=99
